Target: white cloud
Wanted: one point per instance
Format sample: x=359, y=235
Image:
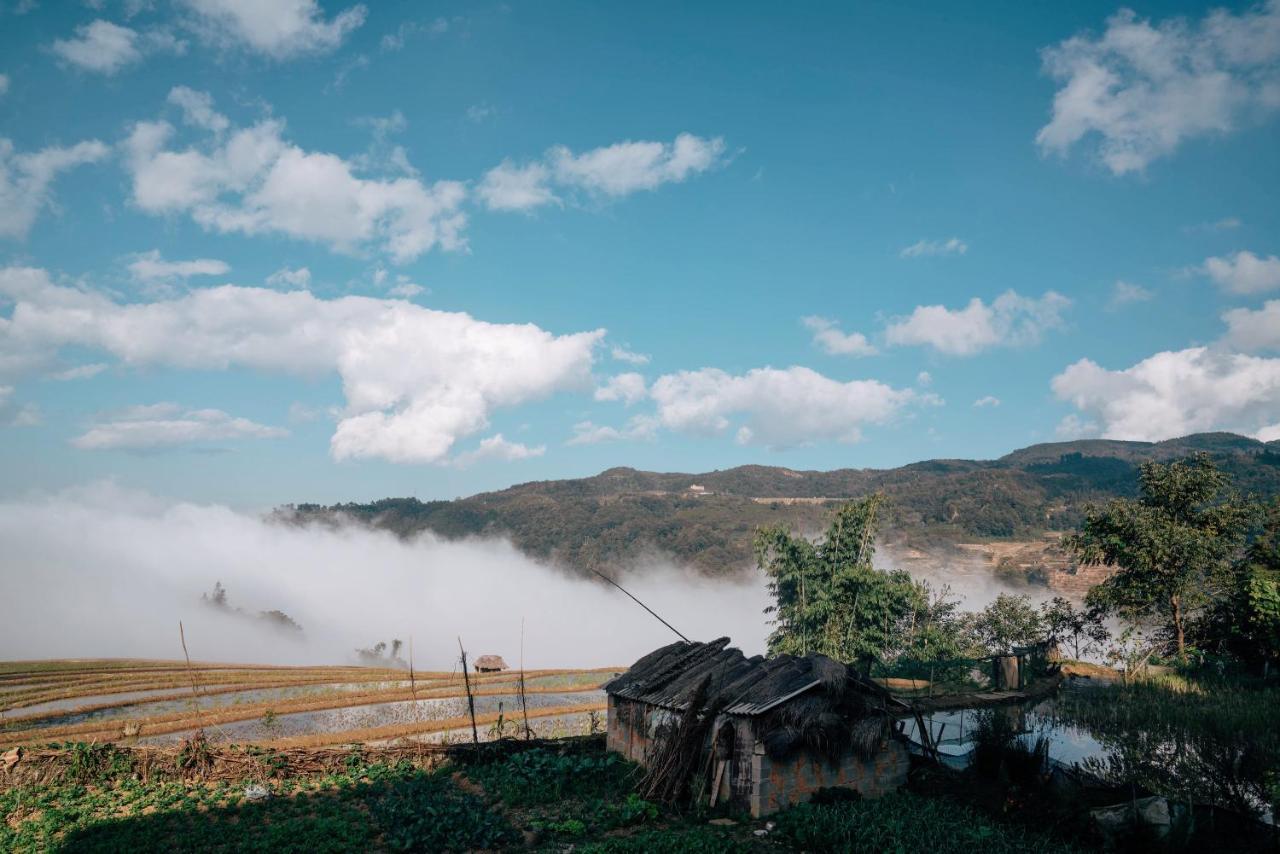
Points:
x=508, y=187
x=167, y=425
x=627, y=167
x=924, y=379
x=13, y=414
x=101, y=46
x=4, y=84
x=951, y=246
x=253, y=181
x=1224, y=224
x=150, y=267
x=480, y=112
x=610, y=171
x=106, y=48
x=1074, y=427
x=777, y=408
x=497, y=448
x=1254, y=330
x=1010, y=320
x=415, y=380
x=197, y=109
x=279, y=29
x=1244, y=272
x=1175, y=393
x=622, y=354
x=828, y=336
x=1126, y=293
x=25, y=180
x=1144, y=89
x=629, y=388
x=638, y=428
x=989, y=400
x=288, y=278
x=406, y=289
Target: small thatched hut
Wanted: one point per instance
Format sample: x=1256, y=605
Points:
x=490, y=664
x=761, y=733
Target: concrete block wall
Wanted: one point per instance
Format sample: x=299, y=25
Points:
x=779, y=784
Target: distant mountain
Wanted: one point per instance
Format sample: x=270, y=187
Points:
x=707, y=519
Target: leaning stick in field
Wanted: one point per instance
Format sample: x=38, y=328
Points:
x=471, y=701
x=524, y=707
x=413, y=687
x=182, y=635
x=642, y=605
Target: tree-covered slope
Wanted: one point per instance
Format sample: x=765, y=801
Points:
x=621, y=514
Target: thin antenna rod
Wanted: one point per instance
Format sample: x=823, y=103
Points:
x=642, y=605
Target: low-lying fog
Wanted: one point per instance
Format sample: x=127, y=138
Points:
x=103, y=571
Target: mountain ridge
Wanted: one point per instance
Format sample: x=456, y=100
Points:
x=706, y=520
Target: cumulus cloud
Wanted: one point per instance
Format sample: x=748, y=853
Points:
x=105, y=48
x=1143, y=88
x=776, y=408
x=150, y=267
x=622, y=354
x=101, y=46
x=1175, y=393
x=279, y=29
x=640, y=427
x=1010, y=320
x=498, y=448
x=611, y=171
x=827, y=335
x=1254, y=330
x=288, y=278
x=629, y=388
x=197, y=109
x=951, y=246
x=253, y=181
x=989, y=400
x=1126, y=293
x=415, y=380
x=1244, y=272
x=509, y=187
x=167, y=425
x=25, y=180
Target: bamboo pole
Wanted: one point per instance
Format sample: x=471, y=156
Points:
x=642, y=605
x=524, y=707
x=471, y=701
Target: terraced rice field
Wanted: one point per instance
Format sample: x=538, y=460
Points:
x=154, y=702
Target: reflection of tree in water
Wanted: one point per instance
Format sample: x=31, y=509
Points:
x=1208, y=744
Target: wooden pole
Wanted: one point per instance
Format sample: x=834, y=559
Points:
x=182, y=635
x=524, y=708
x=642, y=605
x=413, y=686
x=471, y=701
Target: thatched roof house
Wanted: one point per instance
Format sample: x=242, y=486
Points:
x=490, y=664
x=762, y=733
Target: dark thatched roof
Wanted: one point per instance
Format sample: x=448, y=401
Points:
x=737, y=685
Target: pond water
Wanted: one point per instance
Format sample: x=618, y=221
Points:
x=1146, y=743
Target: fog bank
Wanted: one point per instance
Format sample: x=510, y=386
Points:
x=102, y=571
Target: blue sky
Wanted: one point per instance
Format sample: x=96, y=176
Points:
x=258, y=252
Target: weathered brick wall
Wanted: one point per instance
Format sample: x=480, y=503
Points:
x=782, y=783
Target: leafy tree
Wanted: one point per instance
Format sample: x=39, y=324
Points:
x=828, y=598
x=1257, y=603
x=1082, y=628
x=1011, y=620
x=1170, y=547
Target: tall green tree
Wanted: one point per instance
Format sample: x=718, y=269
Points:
x=1257, y=601
x=1172, y=547
x=1010, y=621
x=1082, y=629
x=828, y=598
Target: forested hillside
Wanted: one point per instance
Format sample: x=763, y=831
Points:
x=707, y=519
